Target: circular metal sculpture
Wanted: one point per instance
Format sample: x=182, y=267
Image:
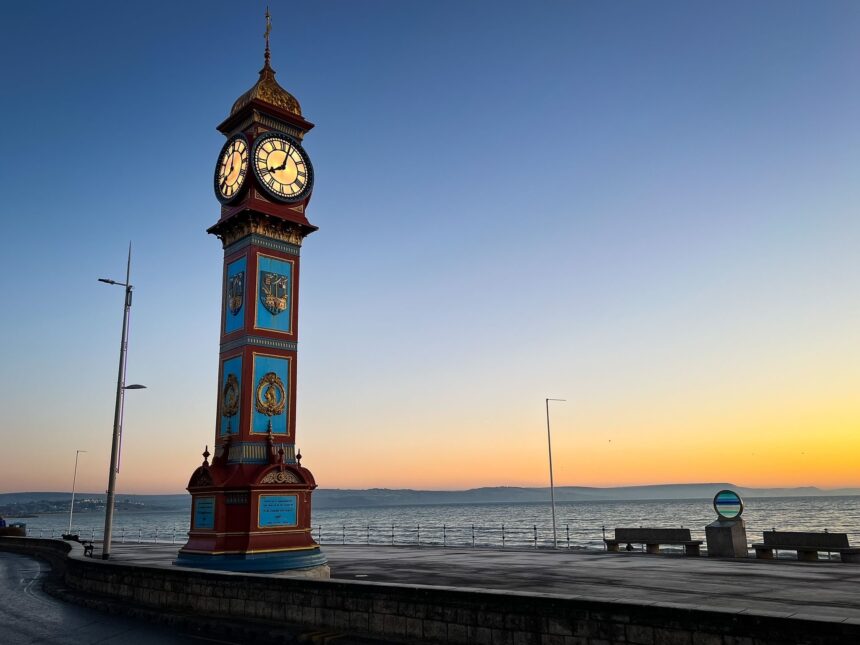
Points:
x=728, y=504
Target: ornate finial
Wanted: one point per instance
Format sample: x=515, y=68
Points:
x=268, y=31
x=206, y=456
x=299, y=457
x=281, y=454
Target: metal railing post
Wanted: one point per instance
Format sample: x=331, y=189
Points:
x=444, y=536
x=473, y=536
x=392, y=535
x=535, y=527
x=503, y=536
x=567, y=532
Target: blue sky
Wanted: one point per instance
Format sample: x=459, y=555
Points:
x=647, y=208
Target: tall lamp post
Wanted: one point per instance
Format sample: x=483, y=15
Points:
x=551, y=483
x=74, y=481
x=121, y=387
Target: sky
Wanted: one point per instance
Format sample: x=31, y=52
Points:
x=647, y=209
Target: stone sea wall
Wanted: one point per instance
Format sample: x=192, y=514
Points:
x=415, y=613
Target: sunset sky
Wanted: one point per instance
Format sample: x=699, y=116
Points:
x=651, y=210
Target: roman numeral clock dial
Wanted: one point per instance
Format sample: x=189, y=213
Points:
x=231, y=169
x=282, y=167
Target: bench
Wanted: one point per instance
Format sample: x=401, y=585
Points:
x=88, y=546
x=807, y=545
x=653, y=538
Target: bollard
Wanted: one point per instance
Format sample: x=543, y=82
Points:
x=567, y=531
x=605, y=547
x=535, y=527
x=418, y=533
x=444, y=536
x=503, y=536
x=473, y=536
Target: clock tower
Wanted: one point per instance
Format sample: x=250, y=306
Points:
x=251, y=505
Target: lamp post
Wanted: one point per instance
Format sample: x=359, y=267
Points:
x=74, y=481
x=551, y=483
x=121, y=387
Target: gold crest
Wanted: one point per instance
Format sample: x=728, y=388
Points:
x=271, y=398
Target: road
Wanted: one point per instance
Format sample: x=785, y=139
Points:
x=29, y=615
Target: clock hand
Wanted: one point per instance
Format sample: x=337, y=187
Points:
x=281, y=167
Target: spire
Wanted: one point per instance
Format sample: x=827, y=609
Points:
x=266, y=34
x=267, y=89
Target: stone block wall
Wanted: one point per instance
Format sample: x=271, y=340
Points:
x=416, y=613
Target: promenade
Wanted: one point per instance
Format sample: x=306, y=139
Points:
x=825, y=591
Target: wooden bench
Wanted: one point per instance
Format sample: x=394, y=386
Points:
x=653, y=538
x=807, y=545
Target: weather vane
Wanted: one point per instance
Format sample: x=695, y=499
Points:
x=268, y=31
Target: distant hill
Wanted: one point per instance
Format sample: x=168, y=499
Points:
x=374, y=497
x=341, y=498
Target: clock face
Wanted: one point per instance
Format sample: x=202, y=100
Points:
x=232, y=167
x=282, y=167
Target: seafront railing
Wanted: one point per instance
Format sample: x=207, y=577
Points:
x=500, y=536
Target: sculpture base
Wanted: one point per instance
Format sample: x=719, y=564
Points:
x=310, y=562
x=727, y=539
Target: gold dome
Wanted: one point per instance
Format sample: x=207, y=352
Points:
x=267, y=90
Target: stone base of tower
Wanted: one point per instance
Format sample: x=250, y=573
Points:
x=252, y=517
x=306, y=563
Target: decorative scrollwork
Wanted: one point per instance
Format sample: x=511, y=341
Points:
x=280, y=477
x=271, y=398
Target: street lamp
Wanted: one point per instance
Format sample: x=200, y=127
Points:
x=551, y=483
x=74, y=481
x=121, y=387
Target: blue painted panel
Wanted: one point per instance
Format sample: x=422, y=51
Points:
x=232, y=366
x=277, y=510
x=275, y=291
x=281, y=367
x=204, y=512
x=235, y=295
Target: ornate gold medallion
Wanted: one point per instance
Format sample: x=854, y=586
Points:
x=271, y=398
x=230, y=400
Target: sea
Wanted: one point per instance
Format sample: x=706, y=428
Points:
x=578, y=525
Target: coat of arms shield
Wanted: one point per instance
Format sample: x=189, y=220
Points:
x=274, y=292
x=235, y=292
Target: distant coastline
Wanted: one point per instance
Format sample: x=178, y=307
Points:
x=18, y=504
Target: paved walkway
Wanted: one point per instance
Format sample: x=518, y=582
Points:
x=823, y=590
x=28, y=615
